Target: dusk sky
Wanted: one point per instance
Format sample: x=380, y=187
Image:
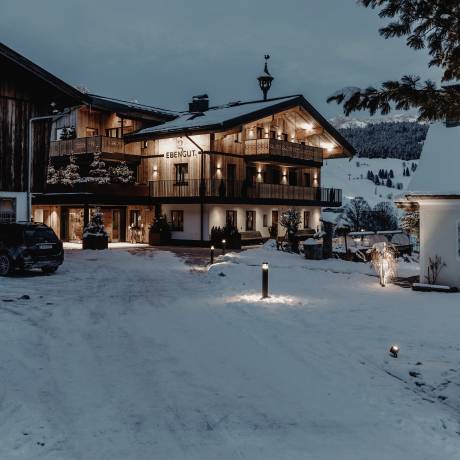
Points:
x=162, y=52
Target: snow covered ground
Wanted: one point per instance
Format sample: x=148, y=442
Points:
x=137, y=355
x=351, y=177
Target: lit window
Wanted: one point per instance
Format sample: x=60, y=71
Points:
x=306, y=219
x=177, y=221
x=250, y=221
x=231, y=219
x=181, y=173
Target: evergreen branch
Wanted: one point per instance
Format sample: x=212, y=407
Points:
x=432, y=103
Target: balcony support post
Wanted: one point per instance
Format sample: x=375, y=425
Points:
x=202, y=187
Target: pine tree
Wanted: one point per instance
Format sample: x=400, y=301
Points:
x=71, y=173
x=98, y=172
x=53, y=175
x=391, y=175
x=389, y=183
x=377, y=180
x=407, y=171
x=121, y=174
x=410, y=222
x=64, y=134
x=425, y=24
x=71, y=133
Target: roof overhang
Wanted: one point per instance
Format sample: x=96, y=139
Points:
x=284, y=104
x=71, y=94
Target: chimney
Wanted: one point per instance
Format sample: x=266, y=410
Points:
x=199, y=103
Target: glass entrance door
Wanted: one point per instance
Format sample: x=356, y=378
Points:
x=116, y=225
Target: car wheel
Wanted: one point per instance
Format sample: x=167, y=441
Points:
x=6, y=267
x=49, y=269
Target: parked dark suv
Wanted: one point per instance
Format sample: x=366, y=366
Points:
x=28, y=245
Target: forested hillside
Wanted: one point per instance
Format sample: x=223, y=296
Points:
x=391, y=139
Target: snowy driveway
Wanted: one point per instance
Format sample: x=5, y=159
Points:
x=139, y=356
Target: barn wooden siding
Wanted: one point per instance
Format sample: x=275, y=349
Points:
x=22, y=96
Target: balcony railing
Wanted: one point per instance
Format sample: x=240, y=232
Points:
x=242, y=190
x=270, y=147
x=87, y=145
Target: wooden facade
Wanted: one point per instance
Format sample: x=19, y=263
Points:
x=26, y=91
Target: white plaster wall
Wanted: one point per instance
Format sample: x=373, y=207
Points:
x=191, y=221
x=439, y=237
x=217, y=216
x=21, y=204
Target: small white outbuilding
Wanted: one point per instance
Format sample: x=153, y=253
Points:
x=435, y=187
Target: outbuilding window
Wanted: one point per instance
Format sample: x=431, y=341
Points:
x=7, y=209
x=458, y=239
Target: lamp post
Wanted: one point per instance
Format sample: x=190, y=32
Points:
x=394, y=350
x=224, y=242
x=212, y=255
x=264, y=280
x=30, y=152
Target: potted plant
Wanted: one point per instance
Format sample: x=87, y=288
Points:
x=159, y=231
x=94, y=234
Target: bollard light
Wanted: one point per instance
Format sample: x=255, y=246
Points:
x=224, y=242
x=264, y=280
x=212, y=255
x=394, y=350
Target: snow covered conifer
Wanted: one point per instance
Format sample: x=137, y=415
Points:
x=64, y=134
x=53, y=175
x=98, y=172
x=121, y=174
x=70, y=175
x=410, y=222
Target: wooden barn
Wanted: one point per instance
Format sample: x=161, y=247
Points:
x=26, y=91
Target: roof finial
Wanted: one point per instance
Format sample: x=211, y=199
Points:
x=265, y=80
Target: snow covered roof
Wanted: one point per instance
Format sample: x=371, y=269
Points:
x=131, y=108
x=437, y=172
x=233, y=114
x=215, y=116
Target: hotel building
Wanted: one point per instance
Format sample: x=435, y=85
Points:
x=242, y=163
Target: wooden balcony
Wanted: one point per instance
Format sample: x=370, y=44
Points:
x=271, y=150
x=216, y=191
x=94, y=144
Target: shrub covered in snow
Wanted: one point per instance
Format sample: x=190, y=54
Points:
x=94, y=234
x=229, y=233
